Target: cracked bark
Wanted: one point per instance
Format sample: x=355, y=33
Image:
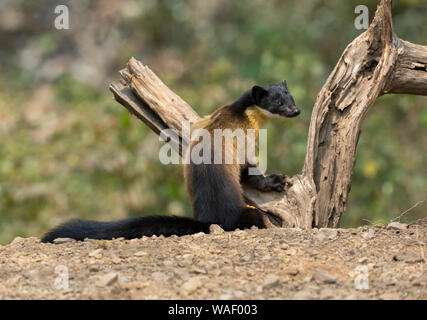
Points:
x=375, y=63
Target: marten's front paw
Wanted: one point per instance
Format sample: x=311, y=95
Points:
x=274, y=182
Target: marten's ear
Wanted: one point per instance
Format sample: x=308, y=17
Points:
x=258, y=93
x=284, y=83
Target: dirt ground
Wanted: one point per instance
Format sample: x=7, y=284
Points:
x=361, y=263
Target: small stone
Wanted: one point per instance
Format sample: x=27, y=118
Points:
x=198, y=270
x=368, y=234
x=140, y=254
x=238, y=294
x=159, y=276
x=246, y=258
x=370, y=266
x=293, y=271
x=304, y=295
x=284, y=246
x=408, y=257
x=215, y=229
x=198, y=235
x=328, y=294
x=108, y=279
x=187, y=256
x=351, y=252
x=329, y=233
x=421, y=280
x=320, y=236
x=63, y=240
x=96, y=253
x=116, y=260
x=291, y=251
x=397, y=226
x=168, y=263
x=363, y=260
x=325, y=234
x=192, y=285
x=271, y=281
x=322, y=276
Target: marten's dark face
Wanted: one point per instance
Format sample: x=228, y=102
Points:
x=275, y=100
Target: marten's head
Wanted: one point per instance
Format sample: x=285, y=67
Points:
x=275, y=100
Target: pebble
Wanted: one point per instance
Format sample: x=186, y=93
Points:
x=363, y=260
x=408, y=257
x=108, y=279
x=326, y=234
x=246, y=258
x=368, y=234
x=238, y=294
x=293, y=271
x=96, y=253
x=63, y=240
x=192, y=285
x=159, y=276
x=284, y=246
x=198, y=235
x=329, y=294
x=397, y=226
x=116, y=260
x=140, y=254
x=323, y=276
x=168, y=263
x=271, y=281
x=320, y=237
x=291, y=251
x=216, y=229
x=304, y=295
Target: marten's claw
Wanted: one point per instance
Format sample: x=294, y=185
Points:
x=275, y=182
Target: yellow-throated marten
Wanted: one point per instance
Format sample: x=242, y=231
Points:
x=214, y=188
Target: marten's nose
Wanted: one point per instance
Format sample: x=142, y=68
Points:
x=294, y=111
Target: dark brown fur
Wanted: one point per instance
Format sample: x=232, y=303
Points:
x=215, y=190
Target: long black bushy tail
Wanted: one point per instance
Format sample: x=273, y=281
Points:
x=128, y=228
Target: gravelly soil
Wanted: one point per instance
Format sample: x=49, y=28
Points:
x=249, y=264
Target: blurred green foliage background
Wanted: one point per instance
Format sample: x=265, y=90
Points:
x=68, y=150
